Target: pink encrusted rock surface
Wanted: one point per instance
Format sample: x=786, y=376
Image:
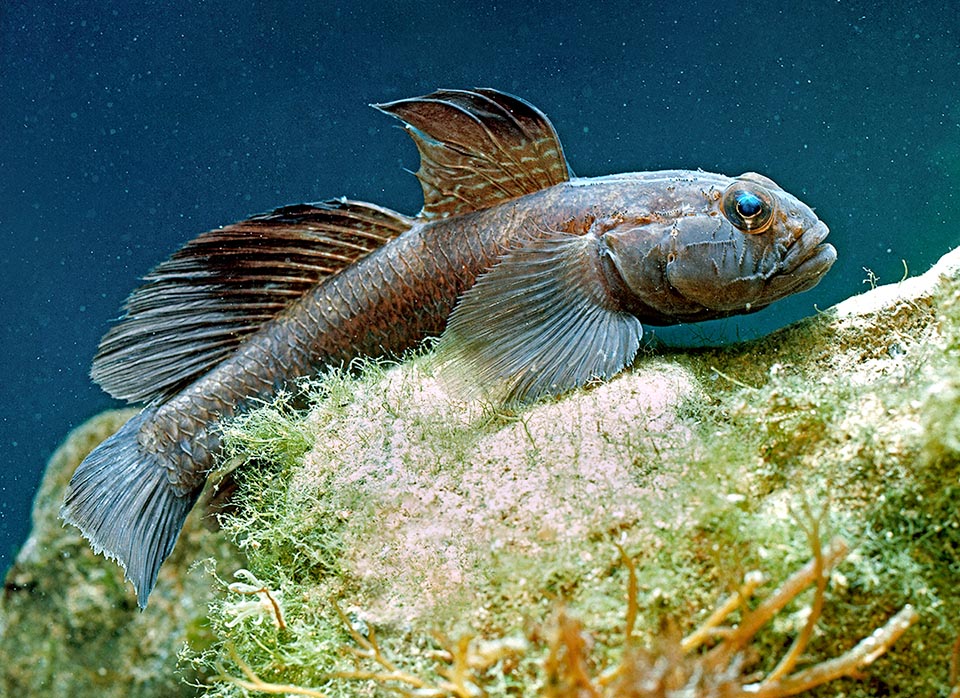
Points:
x=533, y=485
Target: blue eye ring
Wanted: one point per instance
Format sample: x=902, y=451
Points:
x=748, y=206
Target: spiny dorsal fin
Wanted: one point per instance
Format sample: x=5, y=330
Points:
x=541, y=322
x=479, y=148
x=197, y=306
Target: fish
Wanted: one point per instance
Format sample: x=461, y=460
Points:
x=535, y=281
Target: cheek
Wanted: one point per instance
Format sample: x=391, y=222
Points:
x=637, y=256
x=715, y=275
x=714, y=292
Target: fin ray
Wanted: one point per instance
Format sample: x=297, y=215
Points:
x=539, y=323
x=224, y=285
x=479, y=148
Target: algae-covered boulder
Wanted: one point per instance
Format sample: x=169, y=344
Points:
x=70, y=625
x=395, y=539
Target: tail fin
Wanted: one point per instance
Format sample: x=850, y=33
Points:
x=123, y=502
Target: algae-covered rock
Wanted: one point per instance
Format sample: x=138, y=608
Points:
x=427, y=523
x=69, y=624
x=397, y=539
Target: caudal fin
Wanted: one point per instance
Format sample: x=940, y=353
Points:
x=123, y=502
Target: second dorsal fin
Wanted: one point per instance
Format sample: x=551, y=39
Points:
x=479, y=148
x=196, y=307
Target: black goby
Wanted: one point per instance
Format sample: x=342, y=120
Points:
x=536, y=281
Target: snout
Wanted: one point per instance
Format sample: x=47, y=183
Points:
x=805, y=263
x=809, y=246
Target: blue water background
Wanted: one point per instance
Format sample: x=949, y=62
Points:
x=129, y=127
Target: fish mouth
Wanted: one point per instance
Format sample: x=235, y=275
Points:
x=805, y=263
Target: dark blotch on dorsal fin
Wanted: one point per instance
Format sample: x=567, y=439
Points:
x=479, y=148
x=196, y=307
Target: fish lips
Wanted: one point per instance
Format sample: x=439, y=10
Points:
x=799, y=268
x=805, y=263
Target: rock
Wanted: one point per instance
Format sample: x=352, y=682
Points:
x=69, y=624
x=396, y=537
x=448, y=506
x=905, y=291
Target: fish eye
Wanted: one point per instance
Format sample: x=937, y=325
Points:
x=748, y=206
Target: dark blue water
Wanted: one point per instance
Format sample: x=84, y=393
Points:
x=129, y=127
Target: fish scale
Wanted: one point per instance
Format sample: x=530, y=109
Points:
x=536, y=283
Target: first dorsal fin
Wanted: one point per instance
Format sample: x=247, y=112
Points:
x=479, y=148
x=197, y=306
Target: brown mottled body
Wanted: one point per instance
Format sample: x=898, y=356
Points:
x=402, y=293
x=387, y=302
x=537, y=282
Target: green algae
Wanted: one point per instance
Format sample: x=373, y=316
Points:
x=869, y=429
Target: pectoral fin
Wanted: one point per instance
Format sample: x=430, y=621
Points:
x=539, y=323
